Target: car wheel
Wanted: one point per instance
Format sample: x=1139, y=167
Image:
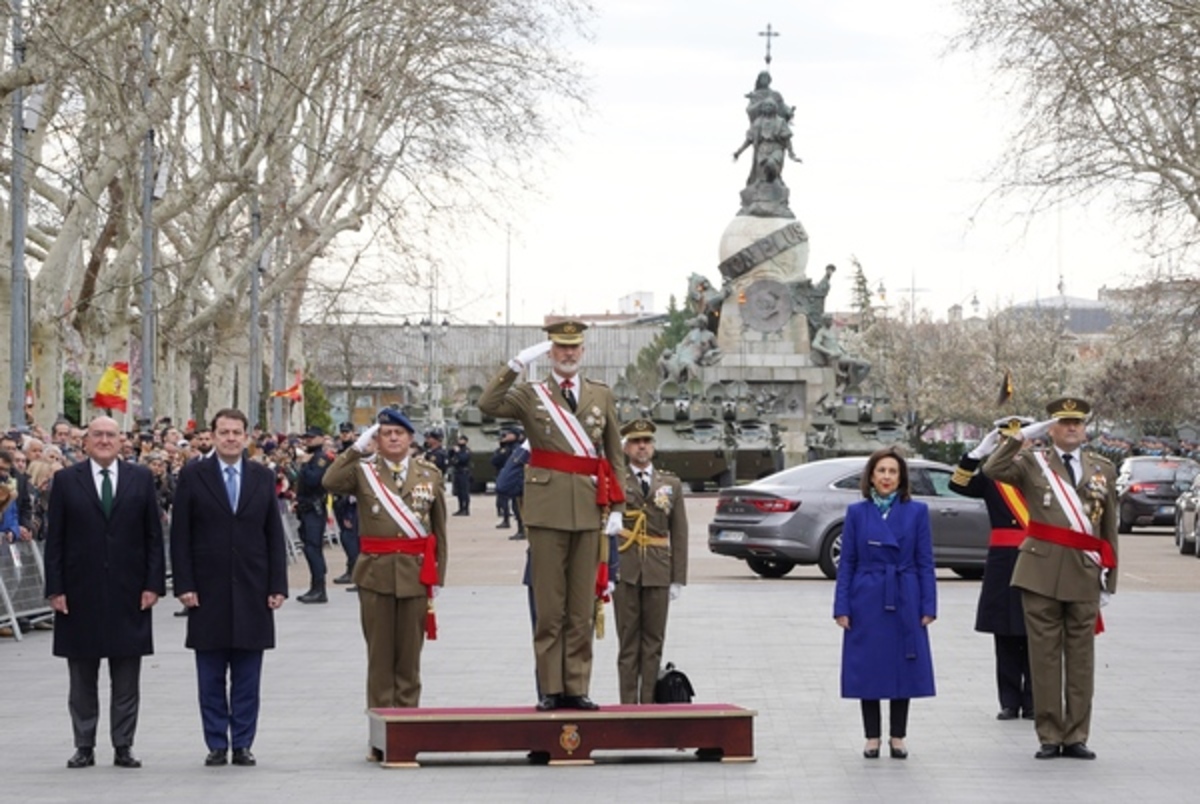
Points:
x=697, y=486
x=1185, y=542
x=831, y=553
x=770, y=567
x=968, y=573
x=1123, y=524
x=725, y=480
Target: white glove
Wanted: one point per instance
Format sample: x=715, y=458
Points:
x=528, y=355
x=437, y=590
x=1036, y=430
x=608, y=590
x=613, y=526
x=987, y=446
x=363, y=444
x=674, y=591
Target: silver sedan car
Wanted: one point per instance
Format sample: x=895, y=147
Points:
x=795, y=517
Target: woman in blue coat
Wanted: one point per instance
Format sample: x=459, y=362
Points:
x=886, y=595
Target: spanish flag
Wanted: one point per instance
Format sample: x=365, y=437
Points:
x=1006, y=388
x=112, y=392
x=294, y=393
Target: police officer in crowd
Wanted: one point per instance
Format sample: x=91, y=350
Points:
x=435, y=453
x=506, y=507
x=310, y=509
x=345, y=511
x=653, y=563
x=460, y=475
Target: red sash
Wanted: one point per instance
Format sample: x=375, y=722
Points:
x=1006, y=537
x=1066, y=537
x=608, y=490
x=425, y=546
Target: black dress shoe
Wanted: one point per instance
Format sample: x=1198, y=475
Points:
x=503, y=526
x=517, y=537
x=124, y=758
x=548, y=703
x=344, y=578
x=243, y=757
x=897, y=753
x=314, y=596
x=1078, y=751
x=1027, y=715
x=871, y=753
x=1047, y=751
x=580, y=702
x=216, y=757
x=82, y=758
x=1006, y=714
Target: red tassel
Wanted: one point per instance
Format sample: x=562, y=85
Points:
x=1099, y=623
x=602, y=581
x=431, y=624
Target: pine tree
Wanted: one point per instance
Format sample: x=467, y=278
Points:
x=861, y=297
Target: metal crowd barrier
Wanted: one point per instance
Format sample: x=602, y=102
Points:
x=22, y=585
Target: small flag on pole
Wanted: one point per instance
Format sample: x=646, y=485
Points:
x=112, y=391
x=1006, y=388
x=294, y=393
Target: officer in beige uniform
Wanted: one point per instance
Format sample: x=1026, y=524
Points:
x=572, y=491
x=653, y=547
x=1068, y=559
x=402, y=559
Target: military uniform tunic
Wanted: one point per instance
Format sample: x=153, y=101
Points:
x=392, y=600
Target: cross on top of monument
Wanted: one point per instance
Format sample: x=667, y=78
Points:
x=769, y=34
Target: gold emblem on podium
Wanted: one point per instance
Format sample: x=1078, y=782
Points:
x=570, y=739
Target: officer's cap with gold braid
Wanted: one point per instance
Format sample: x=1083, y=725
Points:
x=566, y=333
x=638, y=428
x=1008, y=425
x=1069, y=407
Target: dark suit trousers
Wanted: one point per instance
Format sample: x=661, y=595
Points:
x=1012, y=672
x=83, y=700
x=641, y=613
x=312, y=536
x=1061, y=649
x=229, y=711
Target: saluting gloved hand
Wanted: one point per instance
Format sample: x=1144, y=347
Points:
x=1036, y=430
x=363, y=444
x=613, y=526
x=674, y=591
x=986, y=446
x=528, y=355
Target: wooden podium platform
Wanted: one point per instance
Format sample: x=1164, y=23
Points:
x=565, y=736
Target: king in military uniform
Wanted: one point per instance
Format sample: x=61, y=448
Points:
x=1067, y=561
x=572, y=491
x=653, y=568
x=402, y=559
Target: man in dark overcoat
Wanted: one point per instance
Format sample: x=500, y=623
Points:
x=105, y=570
x=229, y=556
x=999, y=612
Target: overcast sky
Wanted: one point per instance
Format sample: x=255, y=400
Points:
x=896, y=139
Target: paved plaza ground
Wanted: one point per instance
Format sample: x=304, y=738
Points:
x=765, y=645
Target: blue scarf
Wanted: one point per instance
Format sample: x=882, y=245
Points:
x=884, y=504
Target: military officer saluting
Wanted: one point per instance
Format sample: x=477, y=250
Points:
x=572, y=491
x=653, y=547
x=1063, y=567
x=402, y=559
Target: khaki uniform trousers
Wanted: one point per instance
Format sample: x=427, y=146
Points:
x=394, y=629
x=641, y=613
x=563, y=567
x=1061, y=646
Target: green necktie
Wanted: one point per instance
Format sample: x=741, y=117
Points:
x=106, y=492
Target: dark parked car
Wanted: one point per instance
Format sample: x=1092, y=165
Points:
x=1147, y=487
x=795, y=517
x=1187, y=517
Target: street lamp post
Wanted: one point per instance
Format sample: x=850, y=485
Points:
x=431, y=332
